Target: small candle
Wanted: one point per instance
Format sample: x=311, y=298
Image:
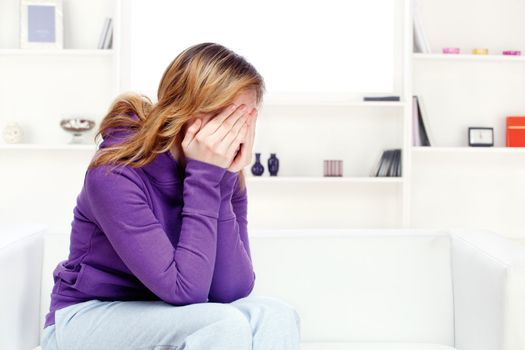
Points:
x=480, y=51
x=512, y=52
x=451, y=50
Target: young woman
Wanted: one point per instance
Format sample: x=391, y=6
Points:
x=159, y=253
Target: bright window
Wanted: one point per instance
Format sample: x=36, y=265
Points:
x=322, y=47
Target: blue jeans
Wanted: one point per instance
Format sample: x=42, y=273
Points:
x=253, y=322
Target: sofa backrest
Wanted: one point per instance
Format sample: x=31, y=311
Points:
x=360, y=285
x=347, y=285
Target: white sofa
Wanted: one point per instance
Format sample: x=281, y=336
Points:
x=355, y=289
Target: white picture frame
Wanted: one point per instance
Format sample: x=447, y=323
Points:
x=41, y=24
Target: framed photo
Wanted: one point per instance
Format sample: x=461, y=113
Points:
x=41, y=24
x=480, y=137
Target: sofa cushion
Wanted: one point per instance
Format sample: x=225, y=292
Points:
x=373, y=346
x=367, y=346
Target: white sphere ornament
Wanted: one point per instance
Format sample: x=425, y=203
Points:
x=13, y=133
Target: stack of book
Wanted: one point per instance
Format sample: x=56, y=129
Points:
x=106, y=35
x=390, y=163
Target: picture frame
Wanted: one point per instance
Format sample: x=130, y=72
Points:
x=480, y=136
x=41, y=24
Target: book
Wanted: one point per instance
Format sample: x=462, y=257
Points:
x=109, y=35
x=381, y=98
x=419, y=125
x=421, y=43
x=390, y=163
x=103, y=33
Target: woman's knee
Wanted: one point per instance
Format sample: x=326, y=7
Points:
x=273, y=308
x=231, y=326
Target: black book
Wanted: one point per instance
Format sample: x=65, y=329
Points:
x=422, y=130
x=383, y=171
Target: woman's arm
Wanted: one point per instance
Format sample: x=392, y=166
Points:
x=178, y=275
x=234, y=276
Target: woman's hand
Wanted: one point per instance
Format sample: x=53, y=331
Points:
x=217, y=141
x=244, y=155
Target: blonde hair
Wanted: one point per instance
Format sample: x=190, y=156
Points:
x=203, y=78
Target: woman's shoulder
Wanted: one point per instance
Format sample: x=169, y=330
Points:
x=111, y=178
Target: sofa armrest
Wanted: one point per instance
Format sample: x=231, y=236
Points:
x=488, y=274
x=21, y=254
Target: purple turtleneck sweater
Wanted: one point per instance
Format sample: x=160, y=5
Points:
x=156, y=232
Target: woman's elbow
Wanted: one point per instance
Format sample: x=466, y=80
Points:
x=232, y=293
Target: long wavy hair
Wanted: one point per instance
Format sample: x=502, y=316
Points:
x=204, y=78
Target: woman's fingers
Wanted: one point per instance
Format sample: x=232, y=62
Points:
x=244, y=156
x=232, y=148
x=230, y=137
x=190, y=132
x=216, y=128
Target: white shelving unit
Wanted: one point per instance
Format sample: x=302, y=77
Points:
x=365, y=127
x=455, y=185
x=449, y=178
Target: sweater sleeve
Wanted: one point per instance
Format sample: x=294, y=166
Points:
x=178, y=275
x=234, y=276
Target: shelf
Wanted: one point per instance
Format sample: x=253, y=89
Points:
x=467, y=57
x=466, y=149
x=283, y=99
x=49, y=147
x=56, y=52
x=322, y=179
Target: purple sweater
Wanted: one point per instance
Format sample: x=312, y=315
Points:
x=156, y=232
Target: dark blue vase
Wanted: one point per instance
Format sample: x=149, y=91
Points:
x=273, y=164
x=257, y=167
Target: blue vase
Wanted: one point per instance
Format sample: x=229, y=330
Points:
x=273, y=164
x=257, y=167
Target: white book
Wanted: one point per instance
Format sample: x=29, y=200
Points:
x=109, y=35
x=421, y=43
x=103, y=34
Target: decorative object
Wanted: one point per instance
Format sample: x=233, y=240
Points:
x=41, y=24
x=332, y=167
x=511, y=53
x=257, y=167
x=480, y=51
x=273, y=164
x=451, y=50
x=77, y=126
x=515, y=131
x=13, y=133
x=480, y=136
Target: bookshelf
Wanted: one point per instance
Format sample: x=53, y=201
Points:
x=348, y=128
x=449, y=178
x=455, y=185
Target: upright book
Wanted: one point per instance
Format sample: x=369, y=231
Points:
x=419, y=126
